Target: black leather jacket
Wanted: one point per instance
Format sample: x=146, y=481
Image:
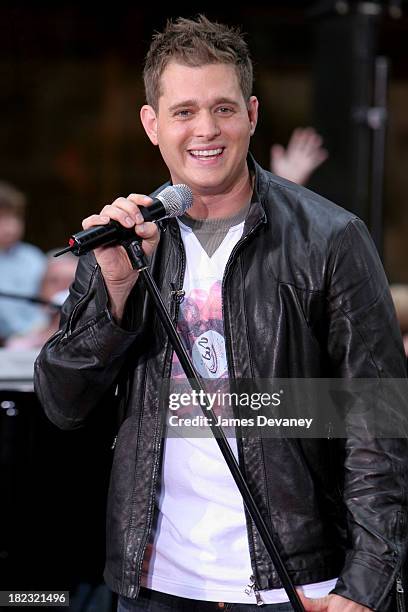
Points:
x=304, y=295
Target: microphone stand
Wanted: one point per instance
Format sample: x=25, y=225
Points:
x=137, y=259
x=29, y=298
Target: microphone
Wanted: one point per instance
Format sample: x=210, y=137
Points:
x=173, y=201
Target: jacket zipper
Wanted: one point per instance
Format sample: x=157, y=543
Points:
x=330, y=431
x=252, y=587
x=236, y=248
x=78, y=304
x=400, y=595
x=231, y=369
x=139, y=563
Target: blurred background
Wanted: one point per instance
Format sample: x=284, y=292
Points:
x=71, y=90
x=71, y=141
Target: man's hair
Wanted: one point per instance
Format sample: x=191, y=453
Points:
x=12, y=201
x=196, y=42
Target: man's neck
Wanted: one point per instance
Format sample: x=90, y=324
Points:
x=223, y=205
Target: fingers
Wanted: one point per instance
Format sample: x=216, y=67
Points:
x=147, y=230
x=306, y=140
x=277, y=151
x=126, y=212
x=304, y=154
x=95, y=220
x=318, y=158
x=123, y=210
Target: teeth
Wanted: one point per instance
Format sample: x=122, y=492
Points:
x=208, y=153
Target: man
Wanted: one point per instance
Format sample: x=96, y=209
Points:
x=281, y=284
x=21, y=266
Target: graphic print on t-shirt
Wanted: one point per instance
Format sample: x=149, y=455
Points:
x=200, y=325
x=200, y=321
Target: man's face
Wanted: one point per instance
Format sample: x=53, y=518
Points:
x=202, y=126
x=58, y=276
x=11, y=229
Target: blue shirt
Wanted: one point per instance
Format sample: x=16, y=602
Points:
x=21, y=270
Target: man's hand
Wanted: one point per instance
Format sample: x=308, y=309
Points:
x=113, y=260
x=330, y=603
x=303, y=155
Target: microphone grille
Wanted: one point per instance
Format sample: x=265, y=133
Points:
x=176, y=199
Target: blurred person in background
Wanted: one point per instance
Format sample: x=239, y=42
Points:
x=21, y=266
x=303, y=155
x=399, y=295
x=58, y=276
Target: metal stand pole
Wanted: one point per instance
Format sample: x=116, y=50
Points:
x=136, y=256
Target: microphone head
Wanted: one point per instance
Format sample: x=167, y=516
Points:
x=176, y=199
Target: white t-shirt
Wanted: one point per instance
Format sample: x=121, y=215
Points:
x=200, y=547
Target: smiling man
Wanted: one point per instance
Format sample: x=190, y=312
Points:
x=275, y=282
x=204, y=136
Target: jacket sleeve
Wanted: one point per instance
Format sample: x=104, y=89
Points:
x=82, y=360
x=364, y=341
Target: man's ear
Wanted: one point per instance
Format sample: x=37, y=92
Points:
x=253, y=113
x=148, y=118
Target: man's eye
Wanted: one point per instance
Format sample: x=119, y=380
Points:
x=223, y=110
x=183, y=113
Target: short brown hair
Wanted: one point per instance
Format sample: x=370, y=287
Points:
x=196, y=42
x=12, y=201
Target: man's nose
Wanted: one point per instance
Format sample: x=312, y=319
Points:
x=207, y=125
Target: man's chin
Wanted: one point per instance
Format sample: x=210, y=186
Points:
x=206, y=186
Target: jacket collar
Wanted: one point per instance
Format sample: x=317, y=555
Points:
x=256, y=212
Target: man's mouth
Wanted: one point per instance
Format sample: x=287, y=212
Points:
x=206, y=153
